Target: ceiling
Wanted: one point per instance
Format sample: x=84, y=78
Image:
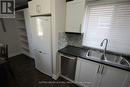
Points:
x=19, y=3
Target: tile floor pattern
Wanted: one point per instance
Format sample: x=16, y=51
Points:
x=27, y=76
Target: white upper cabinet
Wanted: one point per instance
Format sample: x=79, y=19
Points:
x=74, y=15
x=39, y=7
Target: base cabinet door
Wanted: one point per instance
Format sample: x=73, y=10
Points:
x=113, y=77
x=91, y=74
x=128, y=82
x=86, y=73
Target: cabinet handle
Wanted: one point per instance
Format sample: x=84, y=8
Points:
x=38, y=8
x=98, y=69
x=40, y=51
x=80, y=27
x=102, y=70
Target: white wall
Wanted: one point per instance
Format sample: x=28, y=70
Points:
x=58, y=25
x=10, y=37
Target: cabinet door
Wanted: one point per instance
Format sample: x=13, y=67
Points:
x=42, y=7
x=113, y=77
x=86, y=71
x=32, y=8
x=35, y=7
x=74, y=16
x=39, y=7
x=45, y=7
x=128, y=81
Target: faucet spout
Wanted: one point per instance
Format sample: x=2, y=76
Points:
x=104, y=52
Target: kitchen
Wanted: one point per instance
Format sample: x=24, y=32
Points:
x=83, y=43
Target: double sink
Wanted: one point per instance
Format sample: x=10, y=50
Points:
x=107, y=57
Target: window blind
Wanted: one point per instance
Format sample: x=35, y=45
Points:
x=111, y=21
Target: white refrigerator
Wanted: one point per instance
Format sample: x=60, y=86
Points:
x=41, y=38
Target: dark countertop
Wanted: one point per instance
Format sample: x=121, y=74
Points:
x=81, y=53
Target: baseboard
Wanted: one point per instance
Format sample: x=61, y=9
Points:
x=14, y=54
x=78, y=84
x=27, y=54
x=67, y=78
x=56, y=76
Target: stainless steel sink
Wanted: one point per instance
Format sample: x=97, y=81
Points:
x=108, y=57
x=118, y=60
x=94, y=54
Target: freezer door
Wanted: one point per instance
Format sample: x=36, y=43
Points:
x=43, y=62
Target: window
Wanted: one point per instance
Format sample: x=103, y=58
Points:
x=111, y=21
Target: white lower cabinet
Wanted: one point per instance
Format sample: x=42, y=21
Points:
x=99, y=75
x=128, y=85
x=113, y=77
x=86, y=73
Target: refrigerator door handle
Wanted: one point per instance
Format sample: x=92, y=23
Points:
x=41, y=51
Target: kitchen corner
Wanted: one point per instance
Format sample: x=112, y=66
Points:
x=74, y=49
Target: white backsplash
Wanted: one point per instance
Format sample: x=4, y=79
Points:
x=69, y=39
x=62, y=40
x=74, y=39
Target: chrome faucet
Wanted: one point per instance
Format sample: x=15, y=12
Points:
x=103, y=57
